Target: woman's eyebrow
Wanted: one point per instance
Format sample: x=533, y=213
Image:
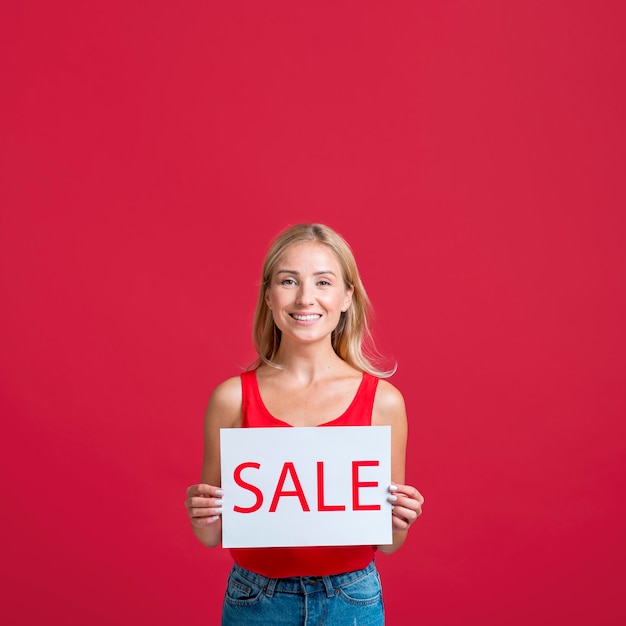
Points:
x=294, y=273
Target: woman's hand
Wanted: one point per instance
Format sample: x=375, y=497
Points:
x=407, y=504
x=204, y=504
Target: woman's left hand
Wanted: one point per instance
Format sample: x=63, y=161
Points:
x=407, y=504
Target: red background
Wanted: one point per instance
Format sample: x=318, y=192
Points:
x=471, y=152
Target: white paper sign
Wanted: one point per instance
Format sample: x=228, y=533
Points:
x=306, y=486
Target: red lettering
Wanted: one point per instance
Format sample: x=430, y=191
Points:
x=244, y=485
x=290, y=470
x=279, y=493
x=356, y=485
x=320, y=492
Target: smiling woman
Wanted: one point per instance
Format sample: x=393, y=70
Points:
x=351, y=337
x=309, y=331
x=308, y=299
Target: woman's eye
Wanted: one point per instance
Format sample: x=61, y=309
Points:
x=288, y=281
x=323, y=283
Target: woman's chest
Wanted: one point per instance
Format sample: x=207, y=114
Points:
x=309, y=406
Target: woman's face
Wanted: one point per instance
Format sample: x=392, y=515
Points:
x=307, y=293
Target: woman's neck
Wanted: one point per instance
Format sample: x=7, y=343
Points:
x=309, y=362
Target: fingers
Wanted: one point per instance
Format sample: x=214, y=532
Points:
x=204, y=490
x=406, y=490
x=204, y=504
x=407, y=504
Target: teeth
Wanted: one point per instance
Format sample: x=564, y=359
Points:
x=305, y=318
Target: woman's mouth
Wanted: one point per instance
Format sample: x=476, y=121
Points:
x=305, y=318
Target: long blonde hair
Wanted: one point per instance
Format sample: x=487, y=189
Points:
x=352, y=339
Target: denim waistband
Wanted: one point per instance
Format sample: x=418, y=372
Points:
x=304, y=584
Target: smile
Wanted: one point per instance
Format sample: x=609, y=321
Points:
x=305, y=318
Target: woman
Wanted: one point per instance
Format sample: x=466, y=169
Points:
x=309, y=328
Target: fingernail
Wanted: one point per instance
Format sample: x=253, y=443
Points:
x=218, y=510
x=218, y=503
x=393, y=488
x=392, y=498
x=219, y=492
x=214, y=518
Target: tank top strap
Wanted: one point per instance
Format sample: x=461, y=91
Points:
x=360, y=411
x=248, y=397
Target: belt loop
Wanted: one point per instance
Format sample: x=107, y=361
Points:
x=328, y=584
x=269, y=588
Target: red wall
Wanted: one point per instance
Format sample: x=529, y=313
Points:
x=472, y=152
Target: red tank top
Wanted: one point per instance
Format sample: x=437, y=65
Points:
x=308, y=560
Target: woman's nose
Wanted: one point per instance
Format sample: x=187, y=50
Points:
x=304, y=295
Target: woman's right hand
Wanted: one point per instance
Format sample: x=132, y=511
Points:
x=204, y=504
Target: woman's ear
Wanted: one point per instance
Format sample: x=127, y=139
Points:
x=348, y=300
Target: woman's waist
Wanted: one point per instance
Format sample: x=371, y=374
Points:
x=303, y=561
x=297, y=584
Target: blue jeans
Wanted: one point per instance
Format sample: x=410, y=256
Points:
x=350, y=599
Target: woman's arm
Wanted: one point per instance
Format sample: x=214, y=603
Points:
x=203, y=500
x=389, y=409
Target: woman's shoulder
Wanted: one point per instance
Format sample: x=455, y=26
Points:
x=388, y=393
x=228, y=391
x=388, y=403
x=225, y=401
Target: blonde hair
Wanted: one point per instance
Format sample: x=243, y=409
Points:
x=352, y=338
